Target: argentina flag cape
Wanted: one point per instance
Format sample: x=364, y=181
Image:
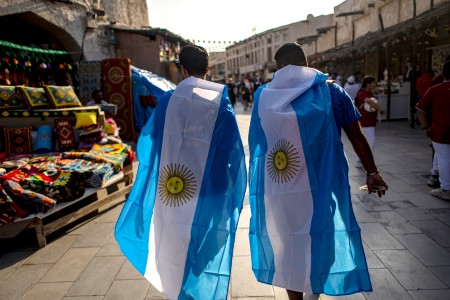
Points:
x=303, y=233
x=178, y=224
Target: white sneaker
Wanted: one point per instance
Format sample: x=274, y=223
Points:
x=440, y=193
x=433, y=181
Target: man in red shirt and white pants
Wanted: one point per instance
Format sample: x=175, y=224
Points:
x=437, y=102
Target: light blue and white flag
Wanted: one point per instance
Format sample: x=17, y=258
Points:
x=178, y=225
x=303, y=233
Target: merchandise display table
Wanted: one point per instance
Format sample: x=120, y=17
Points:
x=94, y=201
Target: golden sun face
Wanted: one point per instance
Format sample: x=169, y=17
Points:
x=283, y=162
x=176, y=185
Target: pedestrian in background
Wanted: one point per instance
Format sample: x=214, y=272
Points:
x=352, y=87
x=433, y=180
x=436, y=101
x=303, y=233
x=368, y=107
x=231, y=94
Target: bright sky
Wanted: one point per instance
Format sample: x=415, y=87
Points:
x=230, y=20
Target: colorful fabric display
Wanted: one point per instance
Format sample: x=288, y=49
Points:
x=61, y=185
x=10, y=99
x=64, y=133
x=110, y=148
x=96, y=174
x=44, y=139
x=117, y=89
x=26, y=199
x=62, y=96
x=35, y=98
x=18, y=140
x=116, y=160
x=85, y=119
x=90, y=134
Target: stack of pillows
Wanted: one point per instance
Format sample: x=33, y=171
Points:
x=19, y=140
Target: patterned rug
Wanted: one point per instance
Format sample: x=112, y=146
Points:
x=116, y=74
x=90, y=76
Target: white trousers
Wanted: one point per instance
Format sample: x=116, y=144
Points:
x=369, y=132
x=442, y=151
x=435, y=168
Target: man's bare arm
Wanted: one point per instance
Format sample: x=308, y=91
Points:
x=362, y=149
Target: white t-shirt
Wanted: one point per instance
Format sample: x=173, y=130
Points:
x=352, y=89
x=92, y=103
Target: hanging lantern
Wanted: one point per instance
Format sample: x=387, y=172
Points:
x=15, y=61
x=69, y=67
x=43, y=66
x=49, y=66
x=28, y=63
x=61, y=66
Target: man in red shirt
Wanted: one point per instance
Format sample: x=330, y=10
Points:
x=437, y=102
x=423, y=83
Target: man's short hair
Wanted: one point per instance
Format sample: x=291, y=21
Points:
x=95, y=92
x=194, y=59
x=446, y=70
x=291, y=54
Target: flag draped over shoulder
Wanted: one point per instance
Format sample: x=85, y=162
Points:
x=303, y=233
x=178, y=225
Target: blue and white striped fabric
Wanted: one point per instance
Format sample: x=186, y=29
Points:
x=303, y=233
x=178, y=225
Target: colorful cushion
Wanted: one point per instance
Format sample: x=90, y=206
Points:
x=9, y=98
x=64, y=133
x=62, y=96
x=85, y=119
x=35, y=98
x=18, y=140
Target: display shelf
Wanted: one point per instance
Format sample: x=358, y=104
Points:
x=92, y=202
x=37, y=117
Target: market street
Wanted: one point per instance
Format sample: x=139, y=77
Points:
x=406, y=239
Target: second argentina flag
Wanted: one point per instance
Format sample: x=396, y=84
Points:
x=178, y=225
x=303, y=233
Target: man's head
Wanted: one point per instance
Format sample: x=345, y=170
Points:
x=97, y=96
x=290, y=54
x=194, y=60
x=446, y=70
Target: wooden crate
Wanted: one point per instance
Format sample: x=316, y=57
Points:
x=93, y=202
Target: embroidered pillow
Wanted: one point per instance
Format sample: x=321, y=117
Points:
x=65, y=134
x=62, y=96
x=18, y=140
x=85, y=119
x=35, y=98
x=9, y=98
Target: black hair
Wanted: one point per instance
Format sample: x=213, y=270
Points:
x=366, y=80
x=94, y=92
x=290, y=54
x=446, y=70
x=194, y=59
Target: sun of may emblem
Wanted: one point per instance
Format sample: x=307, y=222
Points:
x=177, y=185
x=283, y=162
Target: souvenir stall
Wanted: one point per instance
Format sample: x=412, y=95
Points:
x=59, y=160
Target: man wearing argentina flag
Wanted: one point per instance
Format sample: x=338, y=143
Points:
x=178, y=225
x=303, y=234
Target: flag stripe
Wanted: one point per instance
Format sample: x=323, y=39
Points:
x=133, y=237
